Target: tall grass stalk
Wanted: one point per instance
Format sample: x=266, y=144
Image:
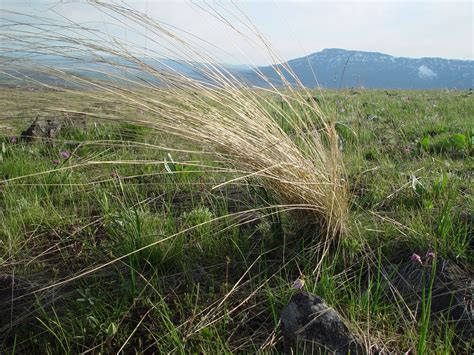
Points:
x=427, y=292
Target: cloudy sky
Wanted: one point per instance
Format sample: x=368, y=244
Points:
x=293, y=28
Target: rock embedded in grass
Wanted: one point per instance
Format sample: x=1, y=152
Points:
x=311, y=326
x=371, y=117
x=41, y=128
x=451, y=296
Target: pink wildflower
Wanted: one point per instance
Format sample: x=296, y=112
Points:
x=114, y=174
x=65, y=154
x=416, y=258
x=56, y=162
x=299, y=283
x=430, y=255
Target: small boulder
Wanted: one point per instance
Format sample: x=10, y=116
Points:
x=41, y=128
x=313, y=99
x=371, y=117
x=452, y=292
x=311, y=326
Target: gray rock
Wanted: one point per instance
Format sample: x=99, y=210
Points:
x=313, y=99
x=452, y=291
x=48, y=128
x=371, y=117
x=41, y=128
x=312, y=327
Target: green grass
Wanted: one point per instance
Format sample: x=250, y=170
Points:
x=216, y=277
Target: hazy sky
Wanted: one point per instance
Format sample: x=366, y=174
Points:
x=297, y=28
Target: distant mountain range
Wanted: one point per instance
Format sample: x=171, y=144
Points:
x=330, y=68
x=340, y=68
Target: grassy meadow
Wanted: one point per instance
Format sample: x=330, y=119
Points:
x=122, y=245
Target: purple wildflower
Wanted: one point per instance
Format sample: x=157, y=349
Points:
x=13, y=140
x=416, y=258
x=299, y=283
x=430, y=255
x=56, y=162
x=65, y=154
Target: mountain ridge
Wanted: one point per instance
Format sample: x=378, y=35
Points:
x=342, y=68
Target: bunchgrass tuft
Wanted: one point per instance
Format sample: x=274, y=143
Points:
x=298, y=160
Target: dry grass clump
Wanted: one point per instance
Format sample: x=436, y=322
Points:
x=210, y=109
